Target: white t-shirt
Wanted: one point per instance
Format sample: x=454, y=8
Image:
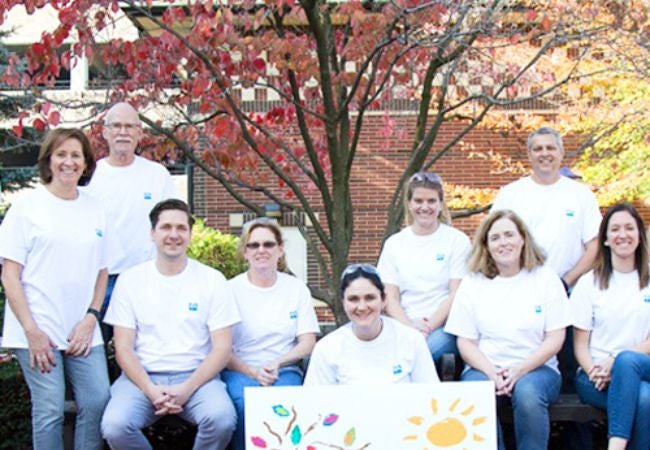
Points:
x=562, y=217
x=62, y=245
x=509, y=316
x=271, y=318
x=421, y=266
x=618, y=317
x=398, y=355
x=172, y=316
x=128, y=194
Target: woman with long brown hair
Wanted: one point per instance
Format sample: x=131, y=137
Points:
x=611, y=309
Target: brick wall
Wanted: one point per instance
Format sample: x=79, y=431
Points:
x=374, y=176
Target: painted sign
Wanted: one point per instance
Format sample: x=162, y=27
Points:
x=451, y=415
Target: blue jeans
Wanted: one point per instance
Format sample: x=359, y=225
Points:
x=107, y=330
x=237, y=381
x=440, y=342
x=626, y=400
x=130, y=410
x=89, y=380
x=532, y=395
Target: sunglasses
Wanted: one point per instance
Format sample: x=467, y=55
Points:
x=431, y=177
x=368, y=269
x=266, y=244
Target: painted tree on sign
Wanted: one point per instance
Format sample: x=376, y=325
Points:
x=325, y=66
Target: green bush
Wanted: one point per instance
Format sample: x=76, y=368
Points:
x=216, y=249
x=15, y=408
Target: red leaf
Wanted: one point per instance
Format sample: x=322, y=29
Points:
x=259, y=64
x=18, y=130
x=54, y=118
x=38, y=124
x=38, y=48
x=45, y=108
x=65, y=59
x=546, y=24
x=531, y=15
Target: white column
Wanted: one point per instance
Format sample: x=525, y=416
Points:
x=79, y=73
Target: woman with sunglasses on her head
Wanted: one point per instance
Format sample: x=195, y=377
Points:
x=510, y=314
x=278, y=324
x=371, y=348
x=422, y=265
x=54, y=257
x=611, y=311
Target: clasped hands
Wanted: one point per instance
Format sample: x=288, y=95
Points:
x=600, y=372
x=168, y=398
x=266, y=375
x=505, y=379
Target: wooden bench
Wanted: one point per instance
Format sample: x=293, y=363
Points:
x=172, y=431
x=568, y=408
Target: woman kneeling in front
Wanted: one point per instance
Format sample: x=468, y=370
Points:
x=372, y=348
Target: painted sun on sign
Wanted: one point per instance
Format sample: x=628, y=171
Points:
x=453, y=428
x=289, y=434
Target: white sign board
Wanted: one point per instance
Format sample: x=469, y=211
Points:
x=451, y=415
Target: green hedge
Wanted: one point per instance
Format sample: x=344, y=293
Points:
x=15, y=408
x=215, y=249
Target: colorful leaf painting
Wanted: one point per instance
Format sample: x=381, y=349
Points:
x=330, y=420
x=258, y=442
x=296, y=435
x=280, y=411
x=350, y=436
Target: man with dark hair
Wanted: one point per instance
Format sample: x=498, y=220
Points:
x=167, y=205
x=172, y=318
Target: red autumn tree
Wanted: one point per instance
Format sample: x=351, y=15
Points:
x=328, y=64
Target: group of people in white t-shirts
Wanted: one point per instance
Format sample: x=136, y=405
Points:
x=189, y=342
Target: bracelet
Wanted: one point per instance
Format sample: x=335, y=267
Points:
x=95, y=313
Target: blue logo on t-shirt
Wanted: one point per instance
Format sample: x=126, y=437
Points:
x=397, y=369
x=647, y=298
x=293, y=314
x=193, y=306
x=147, y=195
x=570, y=213
x=440, y=256
x=98, y=232
x=538, y=309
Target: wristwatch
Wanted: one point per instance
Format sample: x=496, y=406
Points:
x=95, y=313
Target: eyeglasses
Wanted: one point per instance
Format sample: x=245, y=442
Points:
x=431, y=177
x=116, y=126
x=368, y=269
x=268, y=245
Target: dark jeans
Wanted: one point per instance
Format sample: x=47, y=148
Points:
x=107, y=330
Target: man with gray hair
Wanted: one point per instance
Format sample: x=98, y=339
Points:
x=562, y=214
x=128, y=186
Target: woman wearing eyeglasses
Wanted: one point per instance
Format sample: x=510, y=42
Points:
x=510, y=314
x=611, y=311
x=278, y=324
x=422, y=265
x=371, y=348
